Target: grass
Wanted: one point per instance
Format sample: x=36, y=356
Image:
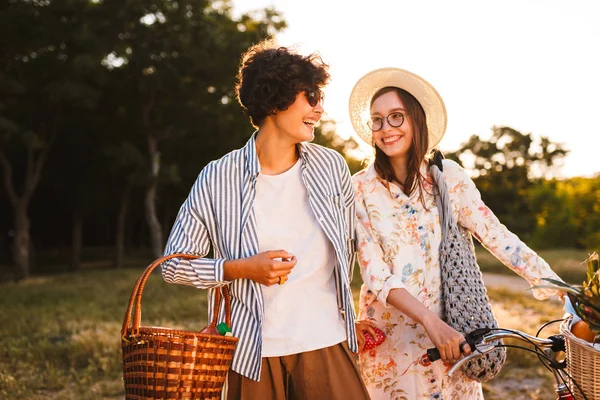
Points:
x=59, y=334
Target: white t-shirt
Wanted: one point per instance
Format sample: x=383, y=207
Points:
x=301, y=315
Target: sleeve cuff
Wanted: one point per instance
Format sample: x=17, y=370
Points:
x=392, y=282
x=219, y=270
x=543, y=294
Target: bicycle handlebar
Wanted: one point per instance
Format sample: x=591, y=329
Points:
x=481, y=342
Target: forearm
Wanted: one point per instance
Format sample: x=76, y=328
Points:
x=405, y=302
x=448, y=341
x=267, y=268
x=235, y=269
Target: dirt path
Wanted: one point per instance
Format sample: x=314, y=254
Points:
x=511, y=282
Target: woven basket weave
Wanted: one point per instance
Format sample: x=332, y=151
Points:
x=583, y=364
x=163, y=363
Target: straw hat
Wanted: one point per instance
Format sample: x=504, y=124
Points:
x=368, y=85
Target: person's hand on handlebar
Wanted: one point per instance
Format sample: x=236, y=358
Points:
x=451, y=344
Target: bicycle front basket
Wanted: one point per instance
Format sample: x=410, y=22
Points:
x=583, y=365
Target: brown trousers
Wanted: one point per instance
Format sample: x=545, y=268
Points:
x=330, y=373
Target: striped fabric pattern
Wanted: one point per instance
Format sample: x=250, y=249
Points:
x=217, y=216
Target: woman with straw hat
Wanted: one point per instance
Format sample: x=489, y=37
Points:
x=398, y=230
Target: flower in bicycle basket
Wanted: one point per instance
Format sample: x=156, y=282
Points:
x=586, y=297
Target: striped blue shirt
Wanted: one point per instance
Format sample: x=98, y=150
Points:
x=218, y=214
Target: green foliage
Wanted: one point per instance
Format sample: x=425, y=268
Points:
x=584, y=195
x=504, y=169
x=46, y=73
x=554, y=216
x=567, y=213
x=113, y=86
x=97, y=79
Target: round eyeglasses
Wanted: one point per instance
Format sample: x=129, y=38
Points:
x=394, y=119
x=314, y=96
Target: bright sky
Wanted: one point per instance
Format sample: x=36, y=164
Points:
x=533, y=65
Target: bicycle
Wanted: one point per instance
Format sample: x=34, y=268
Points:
x=547, y=349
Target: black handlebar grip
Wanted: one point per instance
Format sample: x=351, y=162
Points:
x=433, y=354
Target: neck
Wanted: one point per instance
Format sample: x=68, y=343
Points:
x=400, y=167
x=275, y=154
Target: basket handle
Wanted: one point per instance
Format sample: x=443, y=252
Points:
x=138, y=288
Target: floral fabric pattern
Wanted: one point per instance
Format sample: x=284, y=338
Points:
x=398, y=242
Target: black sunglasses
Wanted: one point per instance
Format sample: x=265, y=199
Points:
x=314, y=96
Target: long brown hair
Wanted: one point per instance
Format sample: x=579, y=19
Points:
x=415, y=115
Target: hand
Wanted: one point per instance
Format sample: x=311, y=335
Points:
x=269, y=267
x=361, y=326
x=450, y=343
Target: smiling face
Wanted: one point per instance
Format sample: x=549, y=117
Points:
x=298, y=121
x=394, y=141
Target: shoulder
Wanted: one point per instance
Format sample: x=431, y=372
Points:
x=361, y=176
x=450, y=165
x=324, y=153
x=365, y=180
x=222, y=166
x=457, y=179
x=453, y=170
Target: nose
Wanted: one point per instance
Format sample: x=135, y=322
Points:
x=385, y=125
x=319, y=107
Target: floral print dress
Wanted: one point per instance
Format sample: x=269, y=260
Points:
x=398, y=243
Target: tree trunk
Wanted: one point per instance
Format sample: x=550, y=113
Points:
x=120, y=233
x=22, y=240
x=153, y=223
x=77, y=240
x=21, y=244
x=167, y=216
x=156, y=238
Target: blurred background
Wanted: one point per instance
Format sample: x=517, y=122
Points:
x=109, y=109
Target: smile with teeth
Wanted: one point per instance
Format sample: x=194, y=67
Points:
x=391, y=139
x=309, y=122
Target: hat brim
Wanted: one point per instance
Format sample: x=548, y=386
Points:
x=423, y=91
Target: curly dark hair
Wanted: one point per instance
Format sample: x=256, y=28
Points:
x=270, y=77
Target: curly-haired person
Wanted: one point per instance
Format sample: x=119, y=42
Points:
x=279, y=216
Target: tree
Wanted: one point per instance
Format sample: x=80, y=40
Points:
x=552, y=209
x=179, y=60
x=504, y=169
x=44, y=78
x=583, y=196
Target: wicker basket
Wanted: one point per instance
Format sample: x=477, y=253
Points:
x=162, y=363
x=583, y=365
